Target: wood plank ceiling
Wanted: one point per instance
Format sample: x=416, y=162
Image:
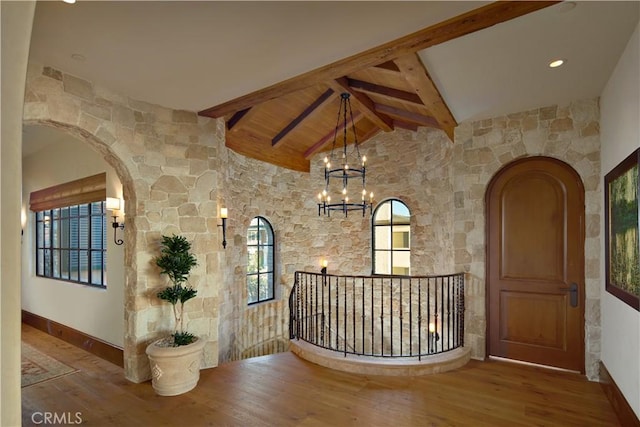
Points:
x=288, y=123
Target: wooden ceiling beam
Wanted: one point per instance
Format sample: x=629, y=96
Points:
x=236, y=118
x=416, y=74
x=388, y=66
x=364, y=104
x=472, y=21
x=419, y=119
x=308, y=112
x=318, y=146
x=241, y=118
x=386, y=92
x=404, y=125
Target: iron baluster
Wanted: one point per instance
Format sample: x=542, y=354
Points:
x=315, y=317
x=429, y=343
x=344, y=285
x=461, y=309
x=382, y=317
x=373, y=332
x=329, y=299
x=391, y=315
x=449, y=313
x=324, y=280
x=400, y=316
x=442, y=315
x=410, y=318
x=439, y=304
x=364, y=319
x=419, y=319
x=337, y=310
x=353, y=305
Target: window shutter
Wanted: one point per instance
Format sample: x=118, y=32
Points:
x=84, y=190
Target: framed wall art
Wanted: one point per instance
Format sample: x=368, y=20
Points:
x=622, y=239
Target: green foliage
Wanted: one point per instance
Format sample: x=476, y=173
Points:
x=173, y=294
x=183, y=338
x=176, y=261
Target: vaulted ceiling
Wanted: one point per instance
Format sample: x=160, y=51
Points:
x=275, y=70
x=288, y=123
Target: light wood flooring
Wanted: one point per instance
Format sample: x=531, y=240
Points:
x=283, y=390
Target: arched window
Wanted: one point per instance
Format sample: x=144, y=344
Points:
x=391, y=238
x=260, y=244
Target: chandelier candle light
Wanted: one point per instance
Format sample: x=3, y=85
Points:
x=349, y=166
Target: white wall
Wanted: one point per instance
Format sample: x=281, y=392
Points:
x=620, y=135
x=16, y=19
x=94, y=311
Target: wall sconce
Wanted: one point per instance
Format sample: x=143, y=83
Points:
x=324, y=263
x=223, y=215
x=23, y=219
x=113, y=204
x=433, y=337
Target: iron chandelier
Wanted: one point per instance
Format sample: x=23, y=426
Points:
x=340, y=168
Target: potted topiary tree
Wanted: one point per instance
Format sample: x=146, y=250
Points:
x=175, y=360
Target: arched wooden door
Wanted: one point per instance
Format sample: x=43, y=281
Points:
x=535, y=263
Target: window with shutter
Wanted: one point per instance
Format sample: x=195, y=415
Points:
x=71, y=231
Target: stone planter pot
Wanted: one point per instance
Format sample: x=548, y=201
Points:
x=175, y=370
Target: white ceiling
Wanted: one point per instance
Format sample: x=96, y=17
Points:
x=504, y=69
x=194, y=55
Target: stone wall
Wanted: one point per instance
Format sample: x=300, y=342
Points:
x=167, y=161
x=569, y=133
x=177, y=173
x=288, y=200
x=444, y=185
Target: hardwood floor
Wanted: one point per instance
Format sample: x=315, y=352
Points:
x=283, y=390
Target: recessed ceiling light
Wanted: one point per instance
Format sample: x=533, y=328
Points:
x=69, y=1
x=556, y=63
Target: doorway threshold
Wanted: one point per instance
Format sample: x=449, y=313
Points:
x=522, y=362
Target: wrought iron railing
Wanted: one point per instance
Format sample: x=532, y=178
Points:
x=384, y=316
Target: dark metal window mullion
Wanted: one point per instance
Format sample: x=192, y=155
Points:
x=391, y=239
x=51, y=243
x=65, y=234
x=36, y=243
x=259, y=252
x=70, y=246
x=102, y=241
x=78, y=245
x=44, y=267
x=103, y=253
x=68, y=233
x=90, y=245
x=260, y=246
x=47, y=248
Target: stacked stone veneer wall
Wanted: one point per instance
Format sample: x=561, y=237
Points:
x=569, y=133
x=176, y=173
x=167, y=161
x=419, y=174
x=444, y=185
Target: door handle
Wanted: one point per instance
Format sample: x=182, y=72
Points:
x=573, y=294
